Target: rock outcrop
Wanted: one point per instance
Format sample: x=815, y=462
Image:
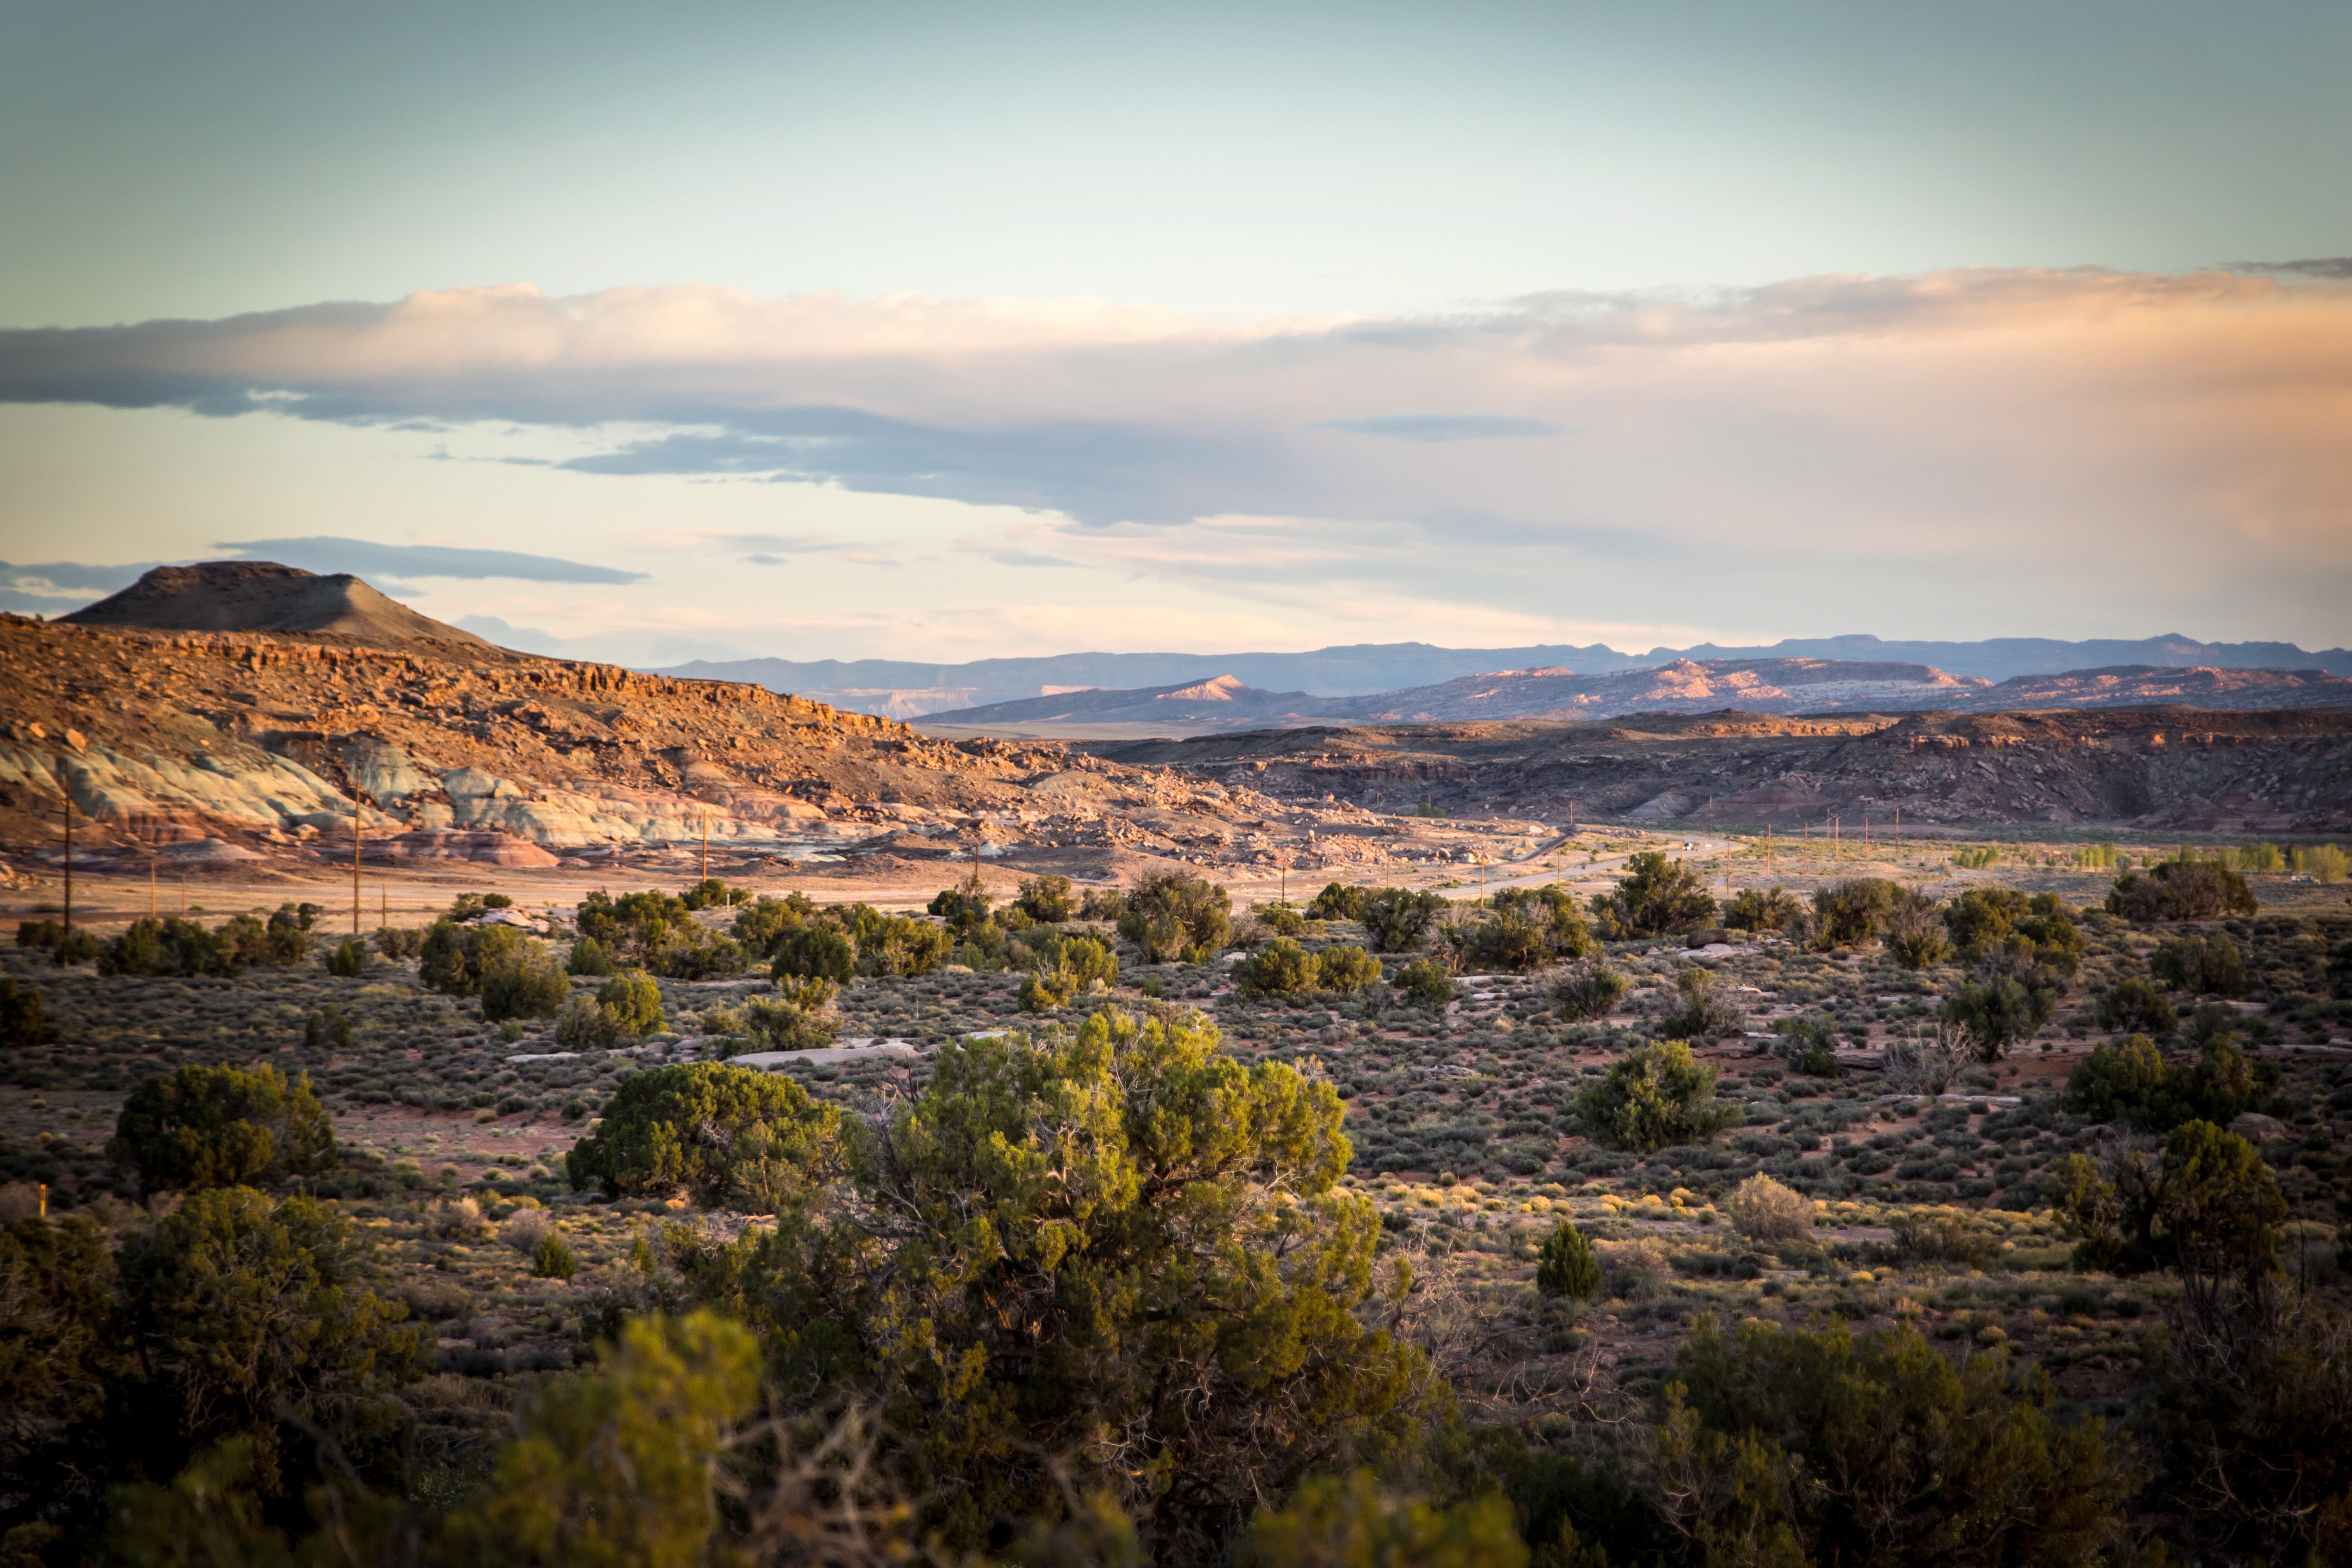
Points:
x=262, y=743
x=263, y=596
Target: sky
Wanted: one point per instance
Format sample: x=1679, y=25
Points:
x=944, y=332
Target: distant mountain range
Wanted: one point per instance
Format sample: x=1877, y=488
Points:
x=904, y=690
x=1780, y=686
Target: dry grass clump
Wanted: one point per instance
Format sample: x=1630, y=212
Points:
x=1633, y=1269
x=1762, y=1210
x=525, y=1231
x=455, y=1219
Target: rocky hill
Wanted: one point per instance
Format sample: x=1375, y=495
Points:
x=211, y=746
x=2157, y=768
x=263, y=596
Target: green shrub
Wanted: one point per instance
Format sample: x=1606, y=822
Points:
x=523, y=983
x=761, y=926
x=1568, y=1266
x=397, y=943
x=1942, y=1236
x=553, y=1258
x=714, y=893
x=1350, y=1521
x=897, y=944
x=1426, y=981
x=1980, y=919
x=692, y=952
x=1347, y=968
x=2180, y=890
x=1784, y=1445
x=1284, y=921
x=1809, y=1045
x=631, y=1003
x=1395, y=920
x=252, y=1318
x=582, y=1026
x=348, y=959
x=1047, y=899
x=1589, y=990
x=1855, y=912
x=1117, y=1202
x=791, y=1027
x=2132, y=1082
x=2000, y=1013
x=23, y=1020
x=1657, y=896
x=1655, y=1096
x=2135, y=1005
x=173, y=946
x=816, y=952
x=1701, y=1012
x=1529, y=927
x=2207, y=1205
x=1063, y=967
x=1280, y=968
x=720, y=1132
x=2202, y=964
x=1754, y=908
x=808, y=992
x=1979, y=858
x=466, y=906
x=1338, y=901
x=588, y=958
x=1172, y=914
x=2117, y=1081
x=964, y=906
x=453, y=956
x=221, y=1126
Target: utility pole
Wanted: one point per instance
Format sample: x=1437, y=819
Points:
x=65, y=787
x=151, y=881
x=358, y=828
x=705, y=845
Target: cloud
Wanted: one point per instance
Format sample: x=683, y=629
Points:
x=371, y=559
x=2334, y=268
x=64, y=585
x=1444, y=426
x=1849, y=439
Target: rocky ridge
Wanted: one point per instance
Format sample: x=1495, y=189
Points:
x=2163, y=768
x=223, y=745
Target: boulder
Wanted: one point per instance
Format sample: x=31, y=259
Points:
x=2256, y=1128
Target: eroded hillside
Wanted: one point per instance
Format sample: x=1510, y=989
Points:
x=248, y=742
x=2159, y=768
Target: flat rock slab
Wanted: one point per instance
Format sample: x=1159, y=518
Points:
x=763, y=1059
